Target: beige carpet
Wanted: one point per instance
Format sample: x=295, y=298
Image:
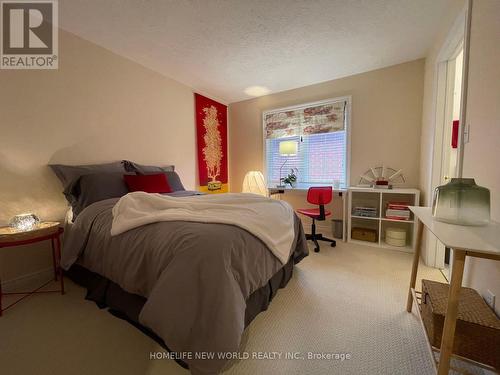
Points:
x=349, y=300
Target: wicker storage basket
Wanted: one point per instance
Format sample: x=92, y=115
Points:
x=364, y=234
x=477, y=335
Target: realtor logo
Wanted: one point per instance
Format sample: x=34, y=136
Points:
x=29, y=37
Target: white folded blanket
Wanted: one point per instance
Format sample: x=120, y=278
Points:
x=270, y=220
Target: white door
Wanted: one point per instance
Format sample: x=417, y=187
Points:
x=449, y=154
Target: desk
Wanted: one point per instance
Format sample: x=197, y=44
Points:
x=480, y=242
x=303, y=188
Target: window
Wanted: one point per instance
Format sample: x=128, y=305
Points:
x=321, y=132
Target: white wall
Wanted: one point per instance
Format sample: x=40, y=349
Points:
x=385, y=121
x=482, y=153
x=97, y=107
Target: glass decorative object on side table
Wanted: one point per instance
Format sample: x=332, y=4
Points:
x=24, y=222
x=462, y=202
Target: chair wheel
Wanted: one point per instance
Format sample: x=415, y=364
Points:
x=333, y=244
x=316, y=249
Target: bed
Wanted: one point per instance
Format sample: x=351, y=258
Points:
x=192, y=286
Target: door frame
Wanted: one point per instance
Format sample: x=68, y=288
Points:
x=444, y=111
x=454, y=42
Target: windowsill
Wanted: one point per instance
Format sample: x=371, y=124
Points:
x=302, y=187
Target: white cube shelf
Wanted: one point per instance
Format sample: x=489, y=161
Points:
x=378, y=198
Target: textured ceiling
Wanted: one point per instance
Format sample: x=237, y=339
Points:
x=221, y=47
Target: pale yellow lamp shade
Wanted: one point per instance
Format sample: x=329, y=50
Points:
x=288, y=148
x=254, y=183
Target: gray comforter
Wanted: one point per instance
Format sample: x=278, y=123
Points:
x=196, y=276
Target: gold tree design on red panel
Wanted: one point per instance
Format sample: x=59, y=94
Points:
x=212, y=152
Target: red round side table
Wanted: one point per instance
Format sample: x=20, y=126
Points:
x=44, y=231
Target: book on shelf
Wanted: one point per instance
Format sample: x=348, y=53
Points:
x=393, y=212
x=397, y=214
x=365, y=211
x=398, y=205
x=366, y=208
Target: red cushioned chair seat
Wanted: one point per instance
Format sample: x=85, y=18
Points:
x=312, y=212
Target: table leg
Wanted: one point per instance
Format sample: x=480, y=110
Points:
x=54, y=258
x=1, y=295
x=344, y=215
x=416, y=260
x=450, y=320
x=58, y=257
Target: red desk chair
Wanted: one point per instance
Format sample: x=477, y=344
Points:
x=319, y=196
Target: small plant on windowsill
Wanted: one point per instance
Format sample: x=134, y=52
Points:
x=291, y=178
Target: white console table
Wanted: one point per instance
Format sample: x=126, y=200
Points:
x=480, y=242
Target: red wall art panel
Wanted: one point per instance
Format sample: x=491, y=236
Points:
x=211, y=135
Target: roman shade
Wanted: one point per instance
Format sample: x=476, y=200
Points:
x=320, y=118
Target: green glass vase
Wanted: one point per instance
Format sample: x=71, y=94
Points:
x=462, y=202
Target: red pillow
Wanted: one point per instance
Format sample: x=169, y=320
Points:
x=150, y=183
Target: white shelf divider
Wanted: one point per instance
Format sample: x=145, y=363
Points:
x=365, y=217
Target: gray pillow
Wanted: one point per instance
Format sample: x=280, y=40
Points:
x=68, y=174
x=91, y=188
x=174, y=181
x=145, y=169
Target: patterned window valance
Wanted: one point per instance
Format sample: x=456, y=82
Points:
x=324, y=117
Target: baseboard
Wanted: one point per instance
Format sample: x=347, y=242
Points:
x=29, y=280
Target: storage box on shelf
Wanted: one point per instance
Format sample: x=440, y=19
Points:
x=364, y=234
x=384, y=211
x=395, y=236
x=477, y=334
x=465, y=241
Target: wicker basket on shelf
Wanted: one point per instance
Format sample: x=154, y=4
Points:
x=477, y=334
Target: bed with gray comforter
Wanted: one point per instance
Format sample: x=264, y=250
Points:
x=196, y=278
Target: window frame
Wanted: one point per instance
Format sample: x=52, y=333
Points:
x=347, y=99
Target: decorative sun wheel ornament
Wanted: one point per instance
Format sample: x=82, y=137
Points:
x=382, y=177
